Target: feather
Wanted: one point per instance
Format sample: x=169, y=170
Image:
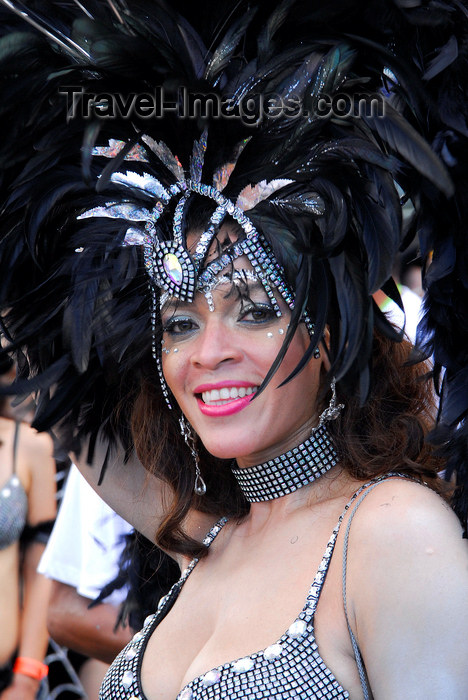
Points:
x=165, y=156
x=406, y=141
x=72, y=48
x=445, y=57
x=225, y=49
x=118, y=210
x=197, y=158
x=265, y=42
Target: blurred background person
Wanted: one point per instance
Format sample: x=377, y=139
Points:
x=27, y=511
x=81, y=558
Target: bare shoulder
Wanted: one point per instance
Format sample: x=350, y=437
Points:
x=36, y=469
x=406, y=510
x=35, y=447
x=407, y=589
x=33, y=440
x=403, y=533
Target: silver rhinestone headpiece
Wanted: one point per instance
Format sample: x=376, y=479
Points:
x=175, y=271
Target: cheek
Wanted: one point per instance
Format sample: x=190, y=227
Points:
x=296, y=351
x=174, y=371
x=306, y=383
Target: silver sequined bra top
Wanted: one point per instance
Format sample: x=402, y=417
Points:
x=13, y=505
x=290, y=668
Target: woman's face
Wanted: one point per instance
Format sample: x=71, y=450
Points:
x=214, y=361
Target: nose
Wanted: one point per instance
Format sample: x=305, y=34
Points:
x=217, y=344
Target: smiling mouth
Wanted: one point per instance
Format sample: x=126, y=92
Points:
x=219, y=397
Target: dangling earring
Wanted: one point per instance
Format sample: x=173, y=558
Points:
x=332, y=412
x=186, y=432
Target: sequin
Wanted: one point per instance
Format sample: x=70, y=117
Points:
x=211, y=677
x=13, y=511
x=114, y=148
x=133, y=236
x=243, y=665
x=127, y=679
x=186, y=694
x=148, y=619
x=297, y=629
x=173, y=268
x=273, y=652
x=130, y=654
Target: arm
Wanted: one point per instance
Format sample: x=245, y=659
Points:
x=35, y=453
x=128, y=488
x=408, y=587
x=136, y=495
x=33, y=633
x=89, y=631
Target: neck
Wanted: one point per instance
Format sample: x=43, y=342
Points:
x=289, y=471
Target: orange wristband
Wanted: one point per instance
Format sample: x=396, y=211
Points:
x=30, y=667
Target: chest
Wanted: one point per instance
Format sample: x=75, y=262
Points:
x=251, y=617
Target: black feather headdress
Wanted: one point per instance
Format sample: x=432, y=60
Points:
x=317, y=123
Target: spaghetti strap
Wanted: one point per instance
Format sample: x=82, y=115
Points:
x=357, y=654
x=168, y=600
x=214, y=531
x=15, y=444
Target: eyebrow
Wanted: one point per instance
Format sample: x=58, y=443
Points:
x=174, y=303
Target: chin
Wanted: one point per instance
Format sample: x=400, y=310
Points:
x=225, y=450
x=229, y=447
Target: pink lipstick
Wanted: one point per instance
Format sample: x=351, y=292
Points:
x=227, y=409
x=224, y=398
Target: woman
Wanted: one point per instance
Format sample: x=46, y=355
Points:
x=27, y=506
x=259, y=341
x=249, y=589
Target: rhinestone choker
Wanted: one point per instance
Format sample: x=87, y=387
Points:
x=289, y=471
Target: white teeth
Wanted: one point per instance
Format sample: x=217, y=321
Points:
x=218, y=397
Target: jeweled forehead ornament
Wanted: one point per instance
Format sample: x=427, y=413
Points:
x=169, y=264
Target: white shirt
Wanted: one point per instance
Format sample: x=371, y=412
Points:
x=413, y=311
x=86, y=541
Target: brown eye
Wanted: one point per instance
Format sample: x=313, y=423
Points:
x=179, y=326
x=257, y=313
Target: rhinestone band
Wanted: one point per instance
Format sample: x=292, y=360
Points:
x=289, y=471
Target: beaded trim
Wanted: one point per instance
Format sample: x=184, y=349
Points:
x=290, y=471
